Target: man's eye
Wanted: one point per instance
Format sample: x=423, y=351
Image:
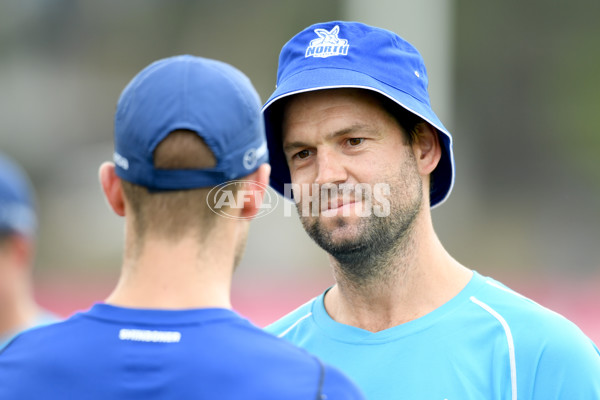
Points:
x=355, y=141
x=302, y=154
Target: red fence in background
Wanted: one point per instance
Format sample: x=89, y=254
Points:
x=265, y=301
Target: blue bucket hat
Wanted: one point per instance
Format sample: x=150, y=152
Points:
x=17, y=199
x=208, y=97
x=340, y=54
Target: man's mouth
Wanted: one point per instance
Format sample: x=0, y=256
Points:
x=339, y=206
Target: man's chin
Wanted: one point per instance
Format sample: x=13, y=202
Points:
x=336, y=226
x=335, y=232
x=341, y=235
x=333, y=220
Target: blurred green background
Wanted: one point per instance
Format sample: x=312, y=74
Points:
x=517, y=83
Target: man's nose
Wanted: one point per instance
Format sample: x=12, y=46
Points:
x=331, y=168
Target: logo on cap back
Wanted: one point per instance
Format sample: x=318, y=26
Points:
x=328, y=44
x=252, y=155
x=120, y=161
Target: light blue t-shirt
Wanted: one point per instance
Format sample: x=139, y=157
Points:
x=488, y=343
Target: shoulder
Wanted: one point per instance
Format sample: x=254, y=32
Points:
x=278, y=360
x=272, y=349
x=521, y=314
x=541, y=341
x=32, y=357
x=47, y=335
x=336, y=385
x=299, y=316
x=43, y=318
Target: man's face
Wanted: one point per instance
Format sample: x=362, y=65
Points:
x=4, y=267
x=338, y=139
x=10, y=268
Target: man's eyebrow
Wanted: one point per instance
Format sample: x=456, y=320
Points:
x=347, y=130
x=290, y=146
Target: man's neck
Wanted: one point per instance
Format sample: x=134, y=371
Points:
x=419, y=278
x=176, y=275
x=18, y=312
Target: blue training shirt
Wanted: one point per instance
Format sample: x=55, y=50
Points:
x=43, y=318
x=111, y=352
x=488, y=342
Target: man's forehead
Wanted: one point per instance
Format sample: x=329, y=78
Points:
x=324, y=94
x=325, y=98
x=300, y=106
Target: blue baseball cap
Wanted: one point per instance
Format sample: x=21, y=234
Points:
x=17, y=199
x=208, y=97
x=340, y=54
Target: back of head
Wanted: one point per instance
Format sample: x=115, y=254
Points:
x=184, y=125
x=18, y=225
x=17, y=203
x=171, y=214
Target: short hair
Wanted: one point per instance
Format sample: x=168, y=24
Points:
x=410, y=123
x=173, y=214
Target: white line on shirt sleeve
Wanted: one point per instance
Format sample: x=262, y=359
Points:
x=509, y=338
x=293, y=325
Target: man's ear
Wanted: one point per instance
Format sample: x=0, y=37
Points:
x=111, y=186
x=22, y=250
x=426, y=148
x=256, y=184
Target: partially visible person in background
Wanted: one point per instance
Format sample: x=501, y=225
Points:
x=183, y=126
x=18, y=225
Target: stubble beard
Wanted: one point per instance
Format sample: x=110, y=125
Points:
x=368, y=253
